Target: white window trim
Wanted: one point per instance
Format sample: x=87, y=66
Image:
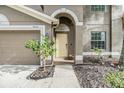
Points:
x=99, y=40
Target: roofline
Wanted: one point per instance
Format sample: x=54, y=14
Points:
x=35, y=14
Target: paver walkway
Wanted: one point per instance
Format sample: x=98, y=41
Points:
x=14, y=76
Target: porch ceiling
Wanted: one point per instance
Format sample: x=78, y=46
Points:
x=35, y=14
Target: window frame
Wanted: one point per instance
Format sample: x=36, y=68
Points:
x=105, y=41
x=97, y=10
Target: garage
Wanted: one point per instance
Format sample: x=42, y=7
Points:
x=19, y=23
x=12, y=49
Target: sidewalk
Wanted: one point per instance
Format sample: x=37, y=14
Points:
x=64, y=77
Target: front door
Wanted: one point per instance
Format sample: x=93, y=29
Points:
x=61, y=45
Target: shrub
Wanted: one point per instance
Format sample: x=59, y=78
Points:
x=99, y=57
x=97, y=51
x=115, y=79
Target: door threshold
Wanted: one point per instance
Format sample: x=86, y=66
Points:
x=63, y=61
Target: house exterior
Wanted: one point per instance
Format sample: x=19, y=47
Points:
x=75, y=29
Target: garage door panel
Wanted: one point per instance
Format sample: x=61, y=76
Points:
x=12, y=50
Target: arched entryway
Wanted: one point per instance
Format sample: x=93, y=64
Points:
x=64, y=37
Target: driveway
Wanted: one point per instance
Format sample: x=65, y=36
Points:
x=14, y=76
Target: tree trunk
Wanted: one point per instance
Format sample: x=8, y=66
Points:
x=41, y=62
x=51, y=60
x=44, y=61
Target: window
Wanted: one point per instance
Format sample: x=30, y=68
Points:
x=97, y=7
x=98, y=40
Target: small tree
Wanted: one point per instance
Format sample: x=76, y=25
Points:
x=98, y=52
x=42, y=49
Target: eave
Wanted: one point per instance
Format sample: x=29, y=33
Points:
x=36, y=14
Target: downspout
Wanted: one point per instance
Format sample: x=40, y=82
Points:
x=53, y=26
x=110, y=45
x=52, y=40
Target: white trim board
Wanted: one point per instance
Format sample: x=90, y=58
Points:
x=103, y=53
x=21, y=27
x=41, y=28
x=78, y=57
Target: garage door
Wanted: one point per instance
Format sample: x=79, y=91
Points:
x=12, y=50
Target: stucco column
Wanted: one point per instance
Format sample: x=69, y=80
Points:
x=117, y=38
x=78, y=44
x=117, y=31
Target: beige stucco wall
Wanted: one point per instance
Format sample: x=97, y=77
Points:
x=92, y=21
x=77, y=9
x=99, y=21
x=17, y=18
x=117, y=31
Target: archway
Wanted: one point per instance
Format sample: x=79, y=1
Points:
x=64, y=36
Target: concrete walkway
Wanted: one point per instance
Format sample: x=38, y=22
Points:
x=14, y=76
x=64, y=77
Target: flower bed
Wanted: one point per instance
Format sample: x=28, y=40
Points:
x=93, y=76
x=40, y=73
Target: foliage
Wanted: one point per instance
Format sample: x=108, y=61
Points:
x=42, y=49
x=97, y=50
x=34, y=45
x=115, y=79
x=47, y=47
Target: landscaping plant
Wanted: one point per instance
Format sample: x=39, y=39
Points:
x=115, y=79
x=98, y=52
x=43, y=49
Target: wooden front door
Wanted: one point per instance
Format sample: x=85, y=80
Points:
x=61, y=45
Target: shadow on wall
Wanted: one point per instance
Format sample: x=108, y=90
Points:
x=86, y=47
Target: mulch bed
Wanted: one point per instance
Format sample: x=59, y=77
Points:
x=92, y=76
x=40, y=74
